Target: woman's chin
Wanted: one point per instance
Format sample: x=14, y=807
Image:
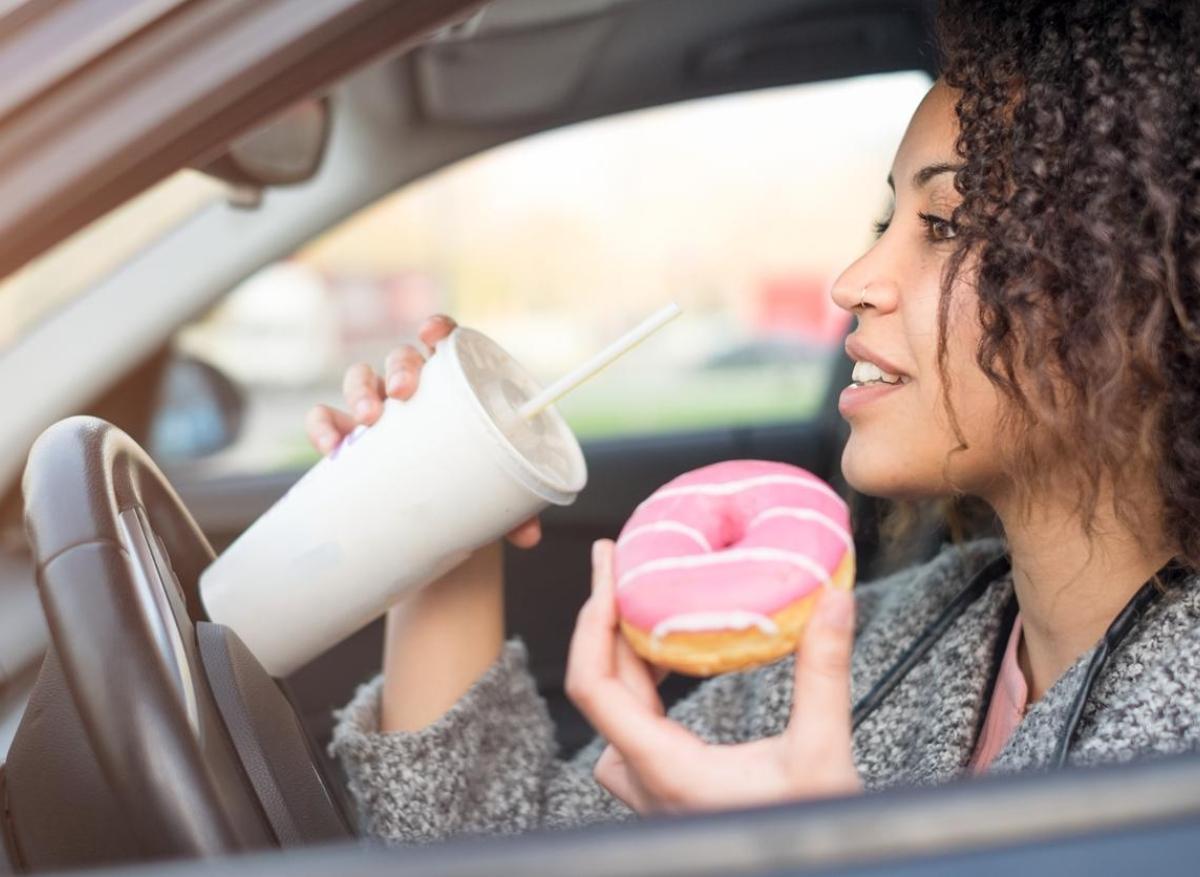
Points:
x=875, y=472
x=858, y=470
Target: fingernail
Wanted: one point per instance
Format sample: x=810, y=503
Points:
x=596, y=552
x=396, y=382
x=363, y=408
x=327, y=440
x=837, y=608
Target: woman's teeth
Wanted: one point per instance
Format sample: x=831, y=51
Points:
x=870, y=373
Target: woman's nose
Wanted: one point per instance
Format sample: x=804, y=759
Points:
x=846, y=295
x=856, y=293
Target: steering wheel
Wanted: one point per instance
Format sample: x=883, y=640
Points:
x=151, y=732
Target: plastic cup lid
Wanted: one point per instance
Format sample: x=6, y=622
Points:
x=545, y=449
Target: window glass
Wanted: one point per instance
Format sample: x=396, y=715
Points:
x=741, y=208
x=73, y=266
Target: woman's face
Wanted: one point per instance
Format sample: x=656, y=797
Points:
x=900, y=433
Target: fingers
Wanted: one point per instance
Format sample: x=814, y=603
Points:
x=402, y=371
x=638, y=676
x=650, y=743
x=326, y=427
x=630, y=669
x=363, y=392
x=434, y=329
x=592, y=648
x=821, y=696
x=526, y=535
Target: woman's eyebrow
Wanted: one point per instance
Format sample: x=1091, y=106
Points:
x=927, y=173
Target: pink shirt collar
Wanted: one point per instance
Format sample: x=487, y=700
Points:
x=1010, y=698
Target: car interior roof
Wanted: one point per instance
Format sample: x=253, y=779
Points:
x=558, y=61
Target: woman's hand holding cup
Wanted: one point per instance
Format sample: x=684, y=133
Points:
x=364, y=392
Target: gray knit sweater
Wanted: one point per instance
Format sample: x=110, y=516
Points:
x=489, y=765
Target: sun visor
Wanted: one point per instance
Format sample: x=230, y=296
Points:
x=514, y=14
x=508, y=74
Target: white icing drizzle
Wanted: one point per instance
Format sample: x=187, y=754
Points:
x=737, y=619
x=666, y=526
x=733, y=555
x=741, y=484
x=805, y=515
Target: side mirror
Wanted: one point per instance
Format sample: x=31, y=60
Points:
x=199, y=412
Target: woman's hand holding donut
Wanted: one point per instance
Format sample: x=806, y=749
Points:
x=365, y=391
x=654, y=764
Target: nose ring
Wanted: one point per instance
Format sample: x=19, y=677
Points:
x=862, y=298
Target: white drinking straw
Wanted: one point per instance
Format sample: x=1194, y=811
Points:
x=622, y=345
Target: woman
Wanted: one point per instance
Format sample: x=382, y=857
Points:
x=1035, y=290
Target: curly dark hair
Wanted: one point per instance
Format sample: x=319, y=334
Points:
x=1080, y=182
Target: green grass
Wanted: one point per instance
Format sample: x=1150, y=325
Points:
x=718, y=398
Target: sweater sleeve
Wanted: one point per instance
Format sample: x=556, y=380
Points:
x=489, y=765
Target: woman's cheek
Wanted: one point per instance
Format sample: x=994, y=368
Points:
x=978, y=406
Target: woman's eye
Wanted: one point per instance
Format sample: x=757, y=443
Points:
x=881, y=225
x=937, y=228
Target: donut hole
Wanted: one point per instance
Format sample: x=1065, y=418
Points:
x=733, y=520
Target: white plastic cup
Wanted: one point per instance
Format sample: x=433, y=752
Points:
x=397, y=505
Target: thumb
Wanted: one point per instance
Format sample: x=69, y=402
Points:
x=822, y=684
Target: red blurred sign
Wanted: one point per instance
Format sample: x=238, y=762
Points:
x=799, y=305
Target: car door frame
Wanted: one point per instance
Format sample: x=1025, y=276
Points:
x=171, y=82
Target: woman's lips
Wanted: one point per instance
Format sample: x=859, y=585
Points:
x=855, y=397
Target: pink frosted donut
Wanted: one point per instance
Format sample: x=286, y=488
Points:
x=718, y=569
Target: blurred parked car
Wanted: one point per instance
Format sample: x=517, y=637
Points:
x=771, y=351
